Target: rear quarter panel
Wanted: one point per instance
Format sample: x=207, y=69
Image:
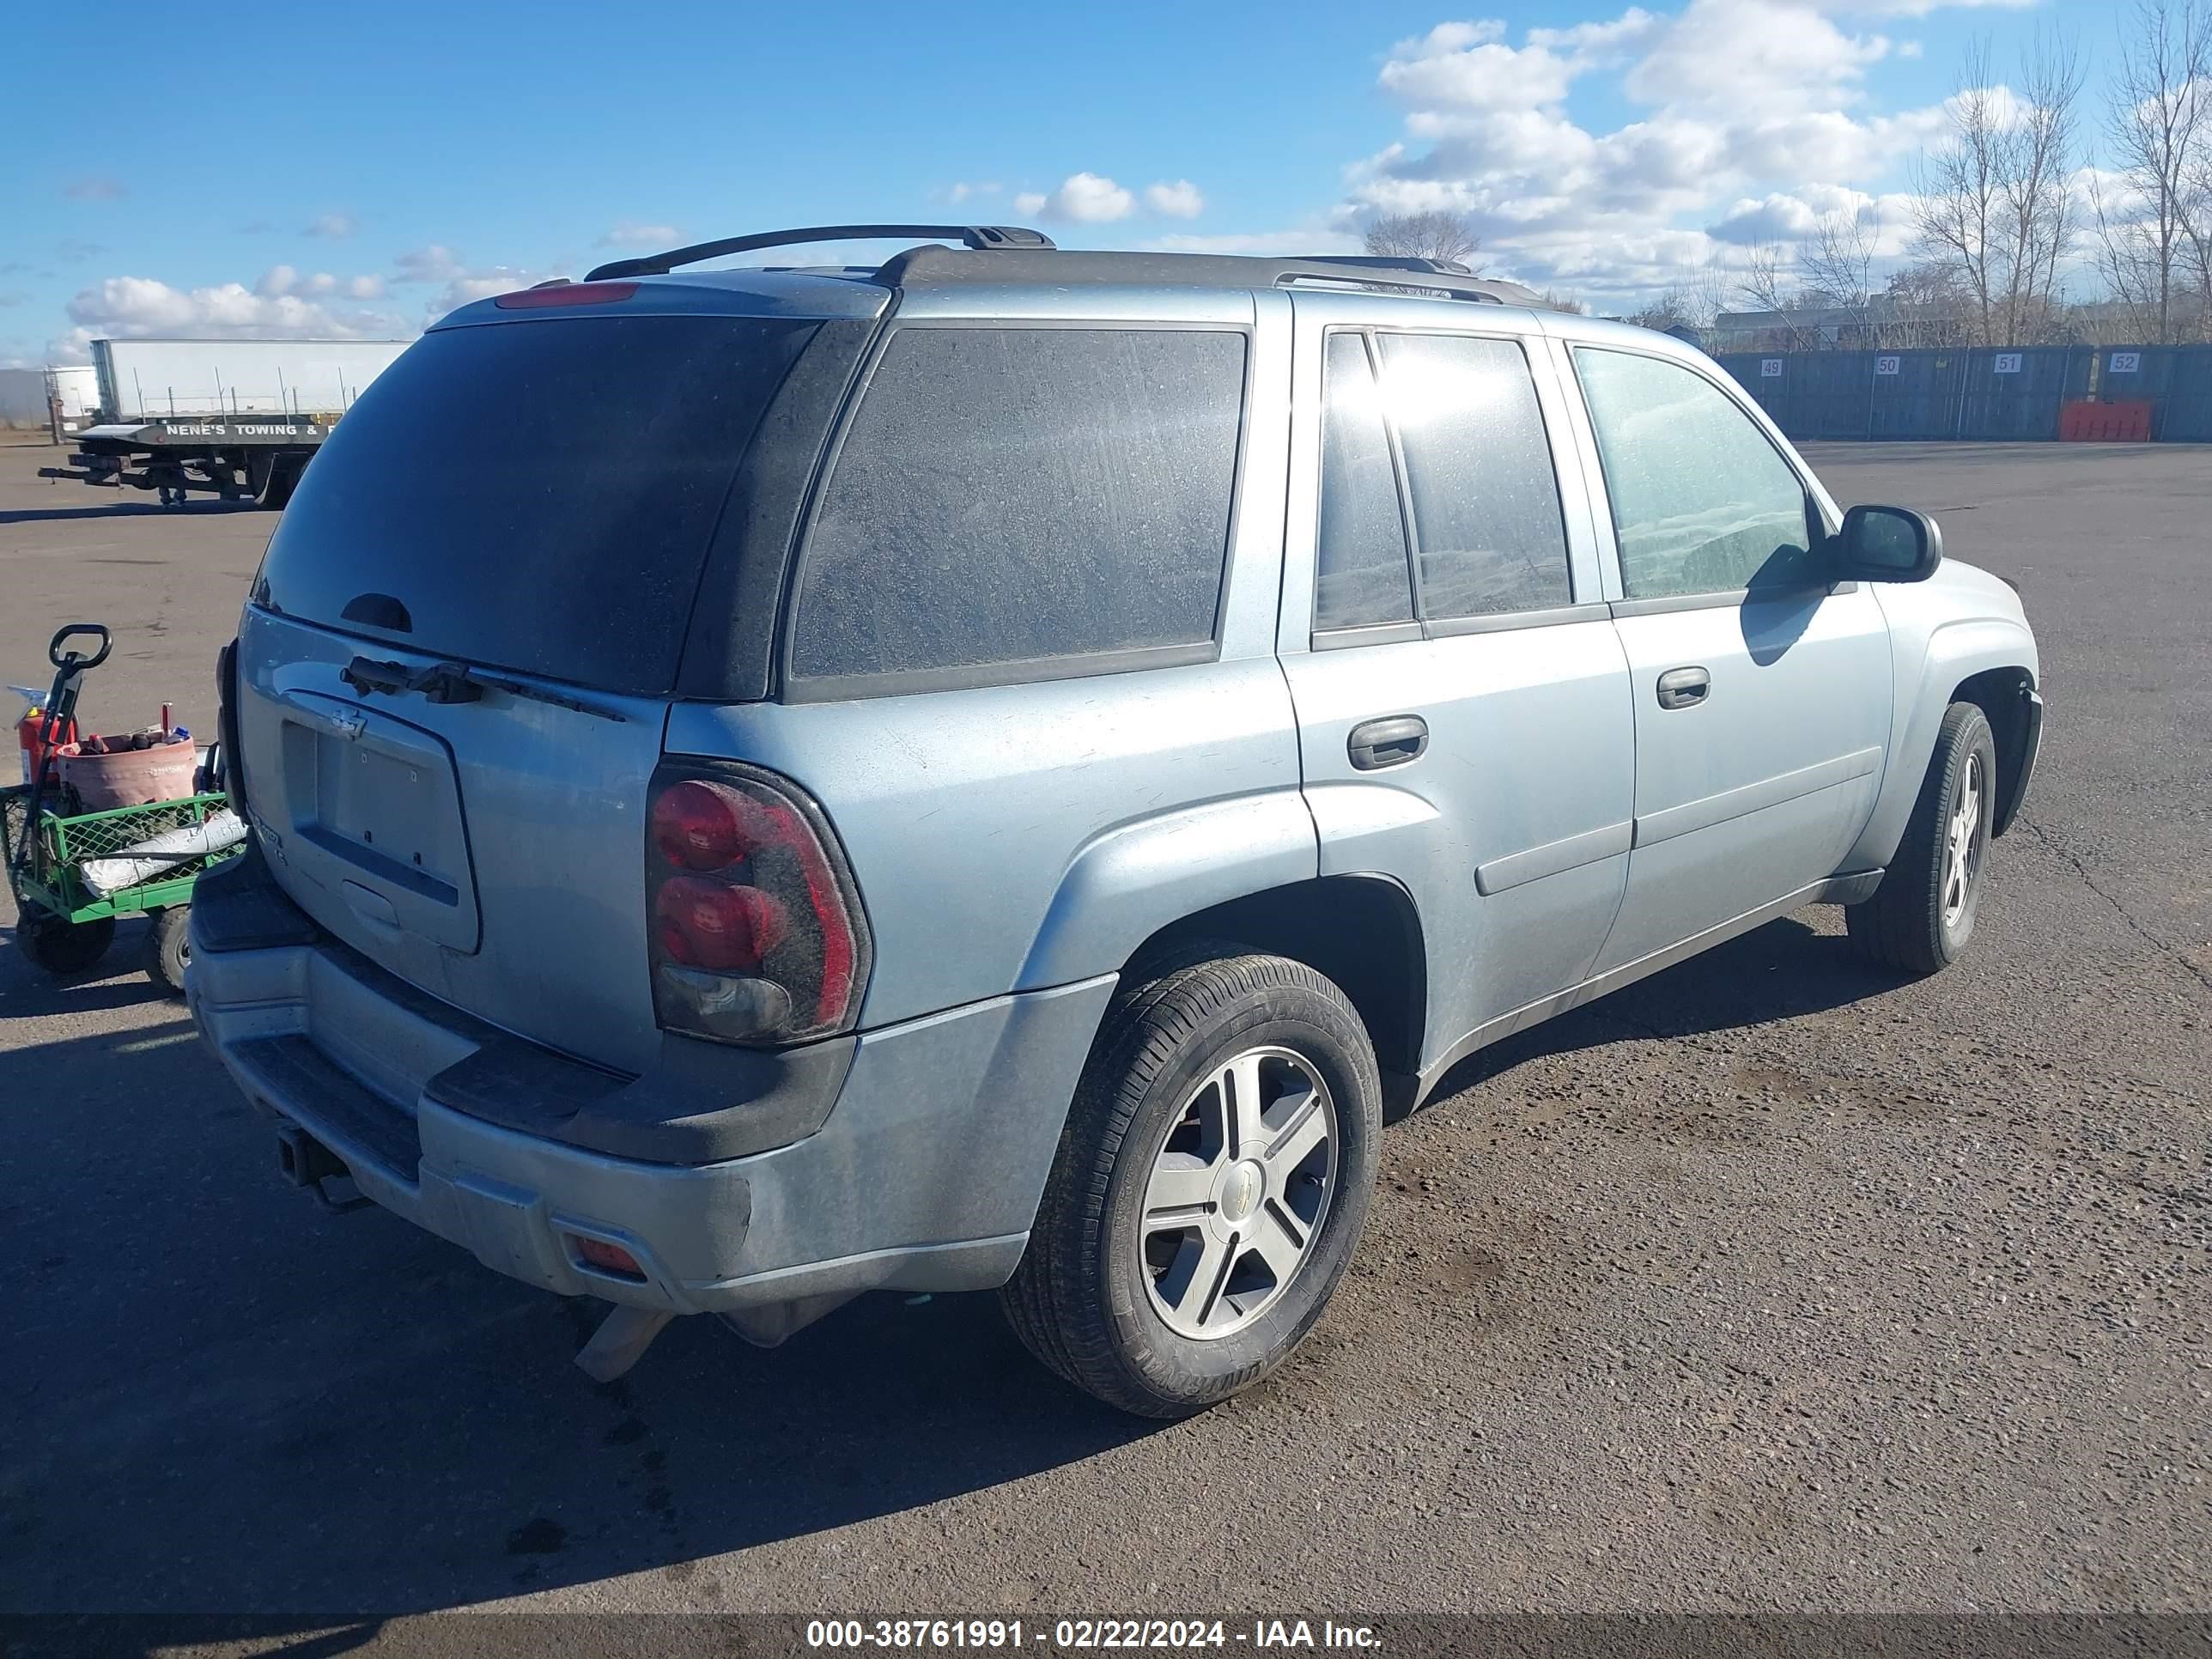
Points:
x=1013, y=838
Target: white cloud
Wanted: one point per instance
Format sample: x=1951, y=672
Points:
x=333, y=225
x=139, y=306
x=1747, y=107
x=434, y=264
x=627, y=233
x=1460, y=66
x=1178, y=200
x=1921, y=8
x=280, y=280
x=961, y=191
x=1739, y=57
x=96, y=187
x=1085, y=198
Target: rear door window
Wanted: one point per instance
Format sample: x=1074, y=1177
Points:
x=534, y=495
x=1487, y=530
x=1013, y=503
x=1361, y=575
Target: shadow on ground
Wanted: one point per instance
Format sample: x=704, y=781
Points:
x=122, y=510
x=1781, y=971
x=244, y=1403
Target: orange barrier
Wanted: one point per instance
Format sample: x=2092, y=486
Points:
x=2088, y=422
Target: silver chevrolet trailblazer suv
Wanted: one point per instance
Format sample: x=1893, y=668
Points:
x=1002, y=769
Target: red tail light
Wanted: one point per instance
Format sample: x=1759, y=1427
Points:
x=565, y=294
x=608, y=1258
x=757, y=932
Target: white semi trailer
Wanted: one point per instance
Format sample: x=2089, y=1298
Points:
x=72, y=399
x=237, y=419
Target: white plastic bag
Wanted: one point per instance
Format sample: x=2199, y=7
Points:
x=140, y=862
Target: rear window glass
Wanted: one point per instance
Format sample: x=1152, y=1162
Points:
x=1360, y=574
x=1012, y=495
x=535, y=495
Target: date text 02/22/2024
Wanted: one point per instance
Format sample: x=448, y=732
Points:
x=1084, y=1635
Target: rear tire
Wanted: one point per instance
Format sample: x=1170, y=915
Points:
x=169, y=948
x=63, y=947
x=1212, y=1184
x=1921, y=917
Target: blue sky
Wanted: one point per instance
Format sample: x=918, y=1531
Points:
x=329, y=170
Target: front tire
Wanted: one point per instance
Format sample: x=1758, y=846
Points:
x=1212, y=1184
x=1921, y=917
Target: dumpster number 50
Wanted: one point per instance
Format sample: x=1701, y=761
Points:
x=1885, y=365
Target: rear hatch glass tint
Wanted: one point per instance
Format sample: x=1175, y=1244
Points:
x=535, y=495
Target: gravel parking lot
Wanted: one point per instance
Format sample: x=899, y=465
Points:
x=1766, y=1283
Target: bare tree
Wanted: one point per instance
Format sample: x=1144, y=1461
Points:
x=1838, y=261
x=1671, y=309
x=1993, y=200
x=2155, y=127
x=2039, y=186
x=1560, y=301
x=1929, y=306
x=1430, y=235
x=1705, y=292
x=1765, y=283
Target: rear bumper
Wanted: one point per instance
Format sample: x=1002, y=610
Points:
x=911, y=1157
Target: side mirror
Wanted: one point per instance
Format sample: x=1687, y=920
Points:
x=1887, y=544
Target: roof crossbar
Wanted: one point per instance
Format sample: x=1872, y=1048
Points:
x=979, y=237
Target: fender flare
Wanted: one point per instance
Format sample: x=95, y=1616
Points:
x=1127, y=883
x=1955, y=653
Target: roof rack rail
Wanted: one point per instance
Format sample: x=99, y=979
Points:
x=1479, y=290
x=1396, y=261
x=933, y=266
x=975, y=236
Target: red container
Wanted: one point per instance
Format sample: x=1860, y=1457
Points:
x=130, y=777
x=2090, y=421
x=31, y=751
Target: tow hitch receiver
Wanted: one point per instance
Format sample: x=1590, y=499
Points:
x=622, y=1339
x=307, y=1163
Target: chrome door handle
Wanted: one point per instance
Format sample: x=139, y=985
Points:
x=1375, y=744
x=1684, y=688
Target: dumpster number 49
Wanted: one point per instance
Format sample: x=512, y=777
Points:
x=1770, y=368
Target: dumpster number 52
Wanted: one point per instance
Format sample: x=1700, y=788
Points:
x=2126, y=362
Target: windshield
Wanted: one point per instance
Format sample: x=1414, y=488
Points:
x=537, y=495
